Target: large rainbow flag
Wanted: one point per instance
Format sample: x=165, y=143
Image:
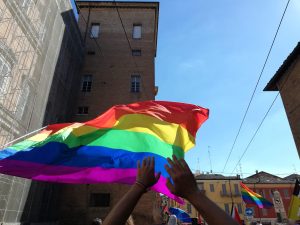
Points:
x=251, y=197
x=106, y=149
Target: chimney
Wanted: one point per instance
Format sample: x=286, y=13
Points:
x=256, y=171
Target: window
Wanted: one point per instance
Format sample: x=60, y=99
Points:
x=99, y=200
x=226, y=206
x=189, y=208
x=137, y=31
x=236, y=189
x=23, y=98
x=25, y=4
x=239, y=206
x=91, y=53
x=264, y=212
x=211, y=187
x=83, y=110
x=86, y=85
x=135, y=83
x=224, y=191
x=95, y=30
x=200, y=186
x=253, y=210
x=136, y=52
x=262, y=193
x=286, y=193
x=5, y=76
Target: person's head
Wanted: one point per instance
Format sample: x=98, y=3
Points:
x=172, y=220
x=97, y=221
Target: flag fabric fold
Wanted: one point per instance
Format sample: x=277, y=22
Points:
x=251, y=197
x=107, y=148
x=235, y=215
x=294, y=209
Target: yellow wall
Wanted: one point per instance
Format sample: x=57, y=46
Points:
x=216, y=196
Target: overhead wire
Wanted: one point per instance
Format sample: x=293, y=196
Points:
x=255, y=88
x=126, y=36
x=256, y=131
x=91, y=33
x=259, y=126
x=131, y=49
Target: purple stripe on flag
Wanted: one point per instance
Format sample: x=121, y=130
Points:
x=77, y=175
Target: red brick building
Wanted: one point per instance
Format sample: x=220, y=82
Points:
x=287, y=81
x=266, y=185
x=120, y=48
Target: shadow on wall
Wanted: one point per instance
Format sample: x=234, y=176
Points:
x=43, y=200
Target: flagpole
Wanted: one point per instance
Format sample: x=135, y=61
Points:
x=258, y=209
x=19, y=138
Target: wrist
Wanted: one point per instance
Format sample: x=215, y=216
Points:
x=141, y=186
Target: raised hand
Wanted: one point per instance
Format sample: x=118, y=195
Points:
x=146, y=175
x=184, y=184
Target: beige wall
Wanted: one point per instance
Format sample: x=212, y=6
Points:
x=216, y=196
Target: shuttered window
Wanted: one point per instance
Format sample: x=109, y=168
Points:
x=137, y=31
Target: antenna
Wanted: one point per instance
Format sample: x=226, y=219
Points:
x=198, y=167
x=294, y=167
x=208, y=149
x=240, y=165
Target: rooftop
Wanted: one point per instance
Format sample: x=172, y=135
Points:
x=271, y=86
x=267, y=178
x=216, y=177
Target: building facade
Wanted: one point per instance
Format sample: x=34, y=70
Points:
x=222, y=190
x=287, y=81
x=267, y=185
x=41, y=52
x=120, y=42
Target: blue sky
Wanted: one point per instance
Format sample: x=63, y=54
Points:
x=210, y=53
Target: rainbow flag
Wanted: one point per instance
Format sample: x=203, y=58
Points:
x=251, y=197
x=106, y=149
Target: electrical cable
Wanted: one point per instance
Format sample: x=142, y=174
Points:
x=253, y=136
x=256, y=85
x=130, y=47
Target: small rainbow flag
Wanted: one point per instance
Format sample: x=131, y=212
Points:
x=106, y=149
x=251, y=197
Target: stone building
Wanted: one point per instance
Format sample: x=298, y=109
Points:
x=41, y=52
x=287, y=81
x=120, y=42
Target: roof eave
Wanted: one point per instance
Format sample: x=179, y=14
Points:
x=272, y=84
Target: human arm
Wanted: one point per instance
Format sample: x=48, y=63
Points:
x=145, y=179
x=185, y=186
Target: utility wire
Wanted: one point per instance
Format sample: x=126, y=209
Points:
x=130, y=47
x=255, y=88
x=123, y=27
x=253, y=136
x=282, y=87
x=91, y=33
x=120, y=18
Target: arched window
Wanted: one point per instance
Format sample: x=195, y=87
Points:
x=22, y=101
